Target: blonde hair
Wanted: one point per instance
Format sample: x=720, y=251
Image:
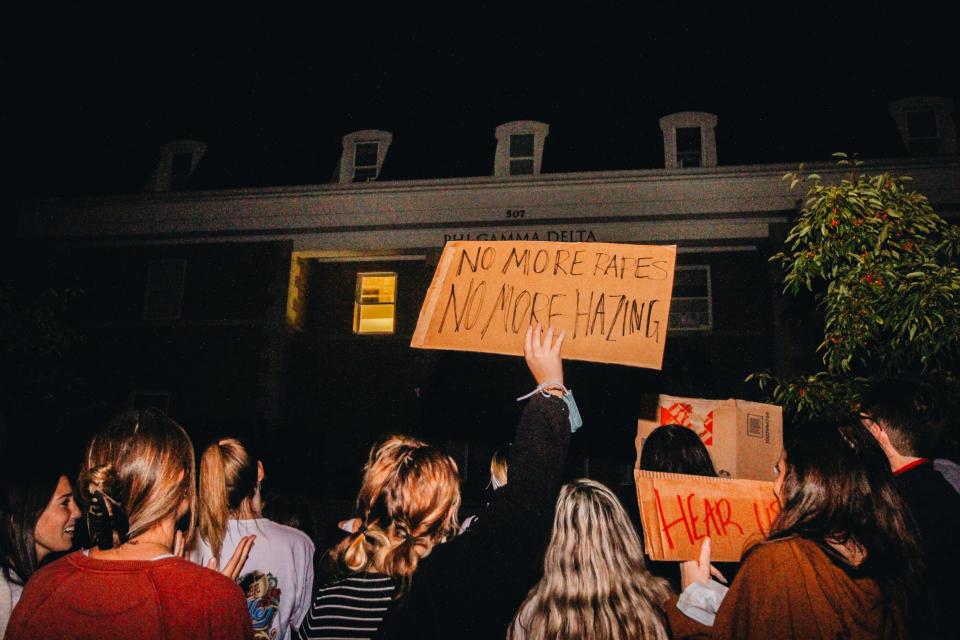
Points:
x=594, y=584
x=138, y=471
x=228, y=475
x=407, y=503
x=498, y=469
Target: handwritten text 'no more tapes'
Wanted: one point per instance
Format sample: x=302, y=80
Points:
x=613, y=300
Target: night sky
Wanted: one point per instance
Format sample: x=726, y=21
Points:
x=87, y=105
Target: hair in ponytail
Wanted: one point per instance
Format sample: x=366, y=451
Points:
x=228, y=476
x=407, y=503
x=139, y=470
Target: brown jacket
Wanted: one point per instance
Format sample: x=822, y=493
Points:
x=792, y=589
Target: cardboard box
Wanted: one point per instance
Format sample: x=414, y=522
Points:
x=744, y=438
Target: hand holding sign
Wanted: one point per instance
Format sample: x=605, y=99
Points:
x=543, y=357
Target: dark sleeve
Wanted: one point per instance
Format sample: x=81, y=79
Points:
x=537, y=457
x=470, y=587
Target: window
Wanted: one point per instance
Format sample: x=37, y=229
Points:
x=182, y=164
x=365, y=161
x=521, y=154
x=375, y=304
x=164, y=293
x=922, y=124
x=922, y=136
x=688, y=146
x=692, y=306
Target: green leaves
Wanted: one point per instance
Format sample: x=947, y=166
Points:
x=883, y=269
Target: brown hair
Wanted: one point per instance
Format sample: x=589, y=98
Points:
x=139, y=469
x=407, y=503
x=228, y=475
x=838, y=489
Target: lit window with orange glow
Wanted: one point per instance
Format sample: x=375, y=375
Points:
x=375, y=304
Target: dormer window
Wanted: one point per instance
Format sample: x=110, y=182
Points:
x=363, y=154
x=176, y=165
x=181, y=164
x=521, y=154
x=925, y=125
x=689, y=140
x=520, y=148
x=689, y=148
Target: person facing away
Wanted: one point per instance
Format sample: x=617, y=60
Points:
x=891, y=412
x=38, y=516
x=840, y=561
x=470, y=587
x=673, y=448
x=277, y=578
x=137, y=481
x=407, y=504
x=594, y=584
x=499, y=476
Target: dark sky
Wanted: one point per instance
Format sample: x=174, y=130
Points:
x=87, y=105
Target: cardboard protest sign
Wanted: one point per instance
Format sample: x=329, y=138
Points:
x=679, y=511
x=744, y=439
x=613, y=300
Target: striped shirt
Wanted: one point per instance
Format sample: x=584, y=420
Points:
x=349, y=608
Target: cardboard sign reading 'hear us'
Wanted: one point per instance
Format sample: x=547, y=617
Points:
x=679, y=511
x=613, y=300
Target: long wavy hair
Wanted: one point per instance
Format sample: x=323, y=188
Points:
x=228, y=476
x=408, y=503
x=594, y=584
x=139, y=469
x=838, y=490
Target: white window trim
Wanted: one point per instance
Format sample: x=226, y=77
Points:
x=502, y=158
x=706, y=122
x=348, y=154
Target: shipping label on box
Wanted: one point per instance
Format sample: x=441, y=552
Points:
x=744, y=439
x=679, y=511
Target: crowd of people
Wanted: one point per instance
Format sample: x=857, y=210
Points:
x=861, y=547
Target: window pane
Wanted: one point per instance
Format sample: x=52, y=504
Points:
x=374, y=309
x=366, y=154
x=182, y=164
x=521, y=146
x=921, y=124
x=688, y=140
x=521, y=167
x=690, y=308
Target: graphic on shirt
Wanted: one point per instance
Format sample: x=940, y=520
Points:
x=263, y=599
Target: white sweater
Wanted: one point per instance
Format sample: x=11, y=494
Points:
x=277, y=578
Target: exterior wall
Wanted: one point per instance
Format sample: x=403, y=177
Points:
x=213, y=364
x=265, y=341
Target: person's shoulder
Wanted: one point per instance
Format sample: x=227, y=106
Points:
x=200, y=579
x=774, y=553
x=55, y=571
x=291, y=535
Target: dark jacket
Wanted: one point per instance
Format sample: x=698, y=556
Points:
x=472, y=586
x=936, y=508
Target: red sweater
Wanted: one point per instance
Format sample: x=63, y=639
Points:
x=77, y=597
